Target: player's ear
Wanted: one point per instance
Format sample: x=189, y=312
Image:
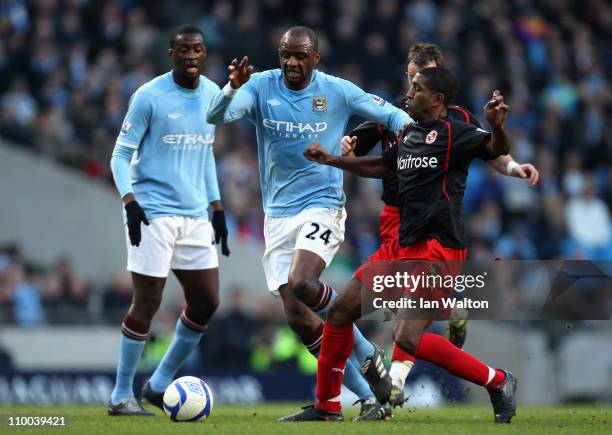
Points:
x=170, y=53
x=438, y=99
x=317, y=58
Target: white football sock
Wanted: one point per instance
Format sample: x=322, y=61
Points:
x=399, y=372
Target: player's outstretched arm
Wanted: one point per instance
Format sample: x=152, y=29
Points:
x=367, y=166
x=495, y=113
x=506, y=165
x=229, y=104
x=374, y=108
x=367, y=135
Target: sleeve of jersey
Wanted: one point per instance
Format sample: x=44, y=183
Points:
x=374, y=108
x=471, y=141
x=133, y=129
x=368, y=135
x=210, y=176
x=390, y=158
x=136, y=121
x=120, y=167
x=229, y=105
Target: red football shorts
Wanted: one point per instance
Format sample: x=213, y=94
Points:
x=389, y=224
x=436, y=260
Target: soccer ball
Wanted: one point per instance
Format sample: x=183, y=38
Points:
x=188, y=399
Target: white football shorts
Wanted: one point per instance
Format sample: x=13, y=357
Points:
x=319, y=230
x=173, y=242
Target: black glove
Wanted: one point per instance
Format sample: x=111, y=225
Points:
x=218, y=223
x=135, y=215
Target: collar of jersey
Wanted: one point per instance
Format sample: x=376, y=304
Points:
x=189, y=93
x=312, y=79
x=430, y=123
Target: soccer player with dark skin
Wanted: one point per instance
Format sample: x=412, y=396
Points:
x=300, y=96
x=431, y=230
x=298, y=57
x=364, y=138
x=200, y=278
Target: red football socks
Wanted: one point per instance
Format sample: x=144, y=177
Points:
x=336, y=347
x=438, y=350
x=497, y=380
x=401, y=355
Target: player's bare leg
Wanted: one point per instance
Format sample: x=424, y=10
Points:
x=410, y=335
x=145, y=303
x=346, y=309
x=201, y=289
x=407, y=333
x=301, y=319
x=135, y=329
x=306, y=268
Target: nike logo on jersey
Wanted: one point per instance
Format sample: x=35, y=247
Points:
x=174, y=115
x=273, y=102
x=335, y=369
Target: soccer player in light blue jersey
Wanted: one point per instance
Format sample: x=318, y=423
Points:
x=304, y=203
x=164, y=169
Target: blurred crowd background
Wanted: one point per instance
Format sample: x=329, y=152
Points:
x=68, y=68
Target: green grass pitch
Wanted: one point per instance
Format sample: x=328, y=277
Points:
x=261, y=419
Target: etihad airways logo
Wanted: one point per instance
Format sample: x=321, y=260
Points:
x=294, y=130
x=189, y=139
x=410, y=162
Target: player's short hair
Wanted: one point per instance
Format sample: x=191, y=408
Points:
x=304, y=31
x=421, y=53
x=440, y=79
x=185, y=29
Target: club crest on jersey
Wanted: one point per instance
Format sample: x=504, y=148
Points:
x=431, y=137
x=319, y=103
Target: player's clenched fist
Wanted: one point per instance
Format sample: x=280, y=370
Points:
x=239, y=73
x=316, y=153
x=495, y=110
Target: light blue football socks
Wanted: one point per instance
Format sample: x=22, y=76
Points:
x=131, y=351
x=184, y=342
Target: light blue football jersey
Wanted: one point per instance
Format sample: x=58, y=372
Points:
x=173, y=170
x=287, y=121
